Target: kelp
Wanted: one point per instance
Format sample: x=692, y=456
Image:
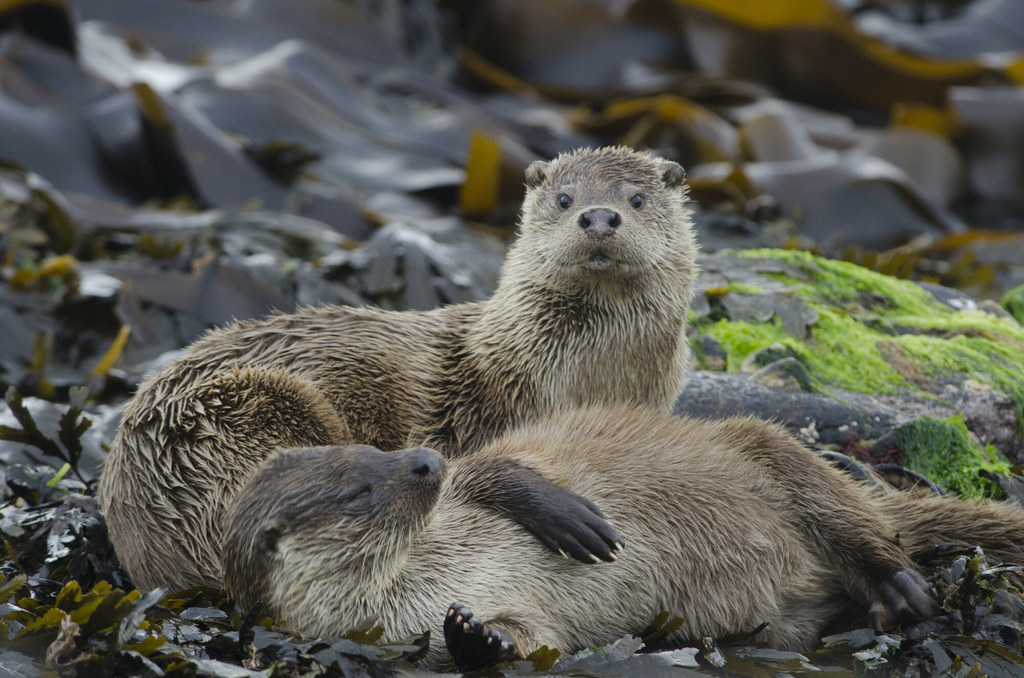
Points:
x=72, y=426
x=106, y=631
x=950, y=155
x=832, y=55
x=189, y=107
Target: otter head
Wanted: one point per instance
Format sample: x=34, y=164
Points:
x=317, y=527
x=608, y=216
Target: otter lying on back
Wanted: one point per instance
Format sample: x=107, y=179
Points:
x=730, y=524
x=590, y=308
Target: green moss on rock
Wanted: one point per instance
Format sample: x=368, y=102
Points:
x=744, y=288
x=1014, y=303
x=944, y=452
x=739, y=339
x=874, y=333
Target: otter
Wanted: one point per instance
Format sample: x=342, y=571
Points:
x=590, y=308
x=731, y=524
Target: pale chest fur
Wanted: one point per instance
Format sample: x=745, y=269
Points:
x=588, y=352
x=627, y=363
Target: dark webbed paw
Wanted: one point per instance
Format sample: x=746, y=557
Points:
x=902, y=597
x=562, y=520
x=573, y=526
x=472, y=644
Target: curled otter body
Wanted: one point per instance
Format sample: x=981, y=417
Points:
x=591, y=307
x=730, y=524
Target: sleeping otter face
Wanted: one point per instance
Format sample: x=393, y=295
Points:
x=605, y=214
x=308, y=513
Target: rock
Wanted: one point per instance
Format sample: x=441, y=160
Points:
x=709, y=353
x=842, y=419
x=842, y=355
x=788, y=374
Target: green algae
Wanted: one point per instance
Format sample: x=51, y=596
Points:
x=739, y=339
x=944, y=452
x=998, y=364
x=1013, y=302
x=874, y=333
x=745, y=288
x=846, y=284
x=842, y=353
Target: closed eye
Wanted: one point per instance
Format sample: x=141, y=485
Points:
x=358, y=494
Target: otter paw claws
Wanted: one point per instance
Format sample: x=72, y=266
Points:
x=473, y=644
x=902, y=597
x=572, y=525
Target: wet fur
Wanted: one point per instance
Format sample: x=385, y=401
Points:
x=715, y=516
x=556, y=332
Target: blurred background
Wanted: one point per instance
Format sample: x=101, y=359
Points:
x=167, y=165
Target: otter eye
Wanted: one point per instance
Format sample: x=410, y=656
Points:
x=636, y=202
x=564, y=201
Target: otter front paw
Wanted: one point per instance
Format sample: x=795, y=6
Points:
x=572, y=525
x=902, y=597
x=472, y=644
x=562, y=520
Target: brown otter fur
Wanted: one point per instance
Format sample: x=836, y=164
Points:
x=730, y=524
x=591, y=307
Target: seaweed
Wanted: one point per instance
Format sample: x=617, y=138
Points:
x=72, y=425
x=107, y=631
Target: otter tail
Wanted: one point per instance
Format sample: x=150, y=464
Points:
x=924, y=522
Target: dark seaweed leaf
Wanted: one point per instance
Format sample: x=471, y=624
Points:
x=990, y=658
x=663, y=626
x=12, y=584
x=711, y=653
x=543, y=658
x=283, y=161
x=136, y=615
x=366, y=631
x=29, y=433
x=72, y=426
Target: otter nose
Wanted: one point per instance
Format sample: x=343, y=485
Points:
x=424, y=462
x=600, y=222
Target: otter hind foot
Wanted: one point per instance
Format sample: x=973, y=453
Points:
x=902, y=597
x=473, y=644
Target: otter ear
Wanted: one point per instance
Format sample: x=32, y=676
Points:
x=672, y=174
x=269, y=535
x=536, y=173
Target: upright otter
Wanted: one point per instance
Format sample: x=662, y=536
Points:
x=590, y=308
x=730, y=523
